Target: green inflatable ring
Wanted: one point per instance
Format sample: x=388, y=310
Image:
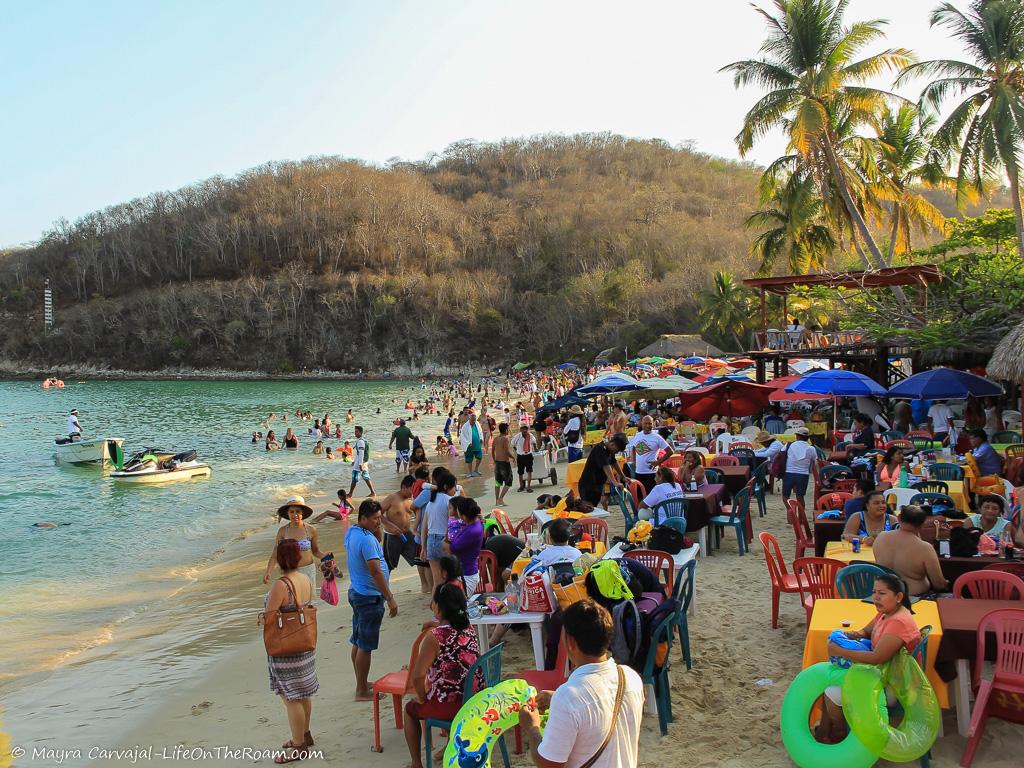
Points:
x=481, y=721
x=865, y=710
x=804, y=750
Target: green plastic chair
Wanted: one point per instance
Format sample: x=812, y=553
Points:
x=855, y=582
x=651, y=675
x=1006, y=436
x=946, y=471
x=489, y=664
x=737, y=519
x=670, y=508
x=760, y=478
x=677, y=523
x=683, y=592
x=630, y=514
x=712, y=476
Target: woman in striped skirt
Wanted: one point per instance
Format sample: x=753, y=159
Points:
x=293, y=678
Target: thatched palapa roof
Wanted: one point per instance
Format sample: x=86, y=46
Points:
x=1007, y=361
x=675, y=345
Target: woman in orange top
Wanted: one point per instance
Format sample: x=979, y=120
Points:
x=892, y=628
x=889, y=468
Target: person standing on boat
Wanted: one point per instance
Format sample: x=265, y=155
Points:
x=74, y=428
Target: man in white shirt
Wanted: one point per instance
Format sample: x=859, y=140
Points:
x=524, y=445
x=573, y=433
x=74, y=428
x=940, y=417
x=559, y=550
x=361, y=464
x=770, y=446
x=600, y=700
x=644, y=448
x=471, y=438
x=800, y=457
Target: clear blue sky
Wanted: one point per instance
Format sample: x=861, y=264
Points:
x=104, y=101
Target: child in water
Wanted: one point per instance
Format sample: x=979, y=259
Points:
x=318, y=448
x=330, y=453
x=346, y=452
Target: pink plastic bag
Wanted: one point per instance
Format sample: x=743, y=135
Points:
x=329, y=591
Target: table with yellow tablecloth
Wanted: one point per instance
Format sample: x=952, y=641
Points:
x=842, y=550
x=574, y=471
x=828, y=615
x=595, y=436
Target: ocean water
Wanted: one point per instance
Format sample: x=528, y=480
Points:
x=144, y=583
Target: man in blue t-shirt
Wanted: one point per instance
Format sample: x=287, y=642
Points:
x=368, y=591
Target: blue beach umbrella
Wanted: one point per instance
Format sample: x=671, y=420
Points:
x=608, y=385
x=838, y=383
x=945, y=384
x=695, y=360
x=567, y=366
x=642, y=367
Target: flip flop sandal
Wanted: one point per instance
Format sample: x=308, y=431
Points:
x=294, y=755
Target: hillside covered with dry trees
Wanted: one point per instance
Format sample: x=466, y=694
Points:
x=548, y=248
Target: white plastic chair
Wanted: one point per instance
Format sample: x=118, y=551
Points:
x=750, y=431
x=1011, y=417
x=794, y=424
x=722, y=442
x=903, y=495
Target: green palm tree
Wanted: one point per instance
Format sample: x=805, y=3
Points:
x=725, y=308
x=814, y=79
x=793, y=228
x=905, y=161
x=987, y=127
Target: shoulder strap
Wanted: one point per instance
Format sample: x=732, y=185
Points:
x=619, y=693
x=291, y=590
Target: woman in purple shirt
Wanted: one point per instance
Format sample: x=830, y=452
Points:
x=465, y=538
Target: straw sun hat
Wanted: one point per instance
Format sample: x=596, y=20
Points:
x=294, y=501
x=576, y=410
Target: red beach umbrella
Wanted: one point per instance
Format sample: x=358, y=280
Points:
x=728, y=398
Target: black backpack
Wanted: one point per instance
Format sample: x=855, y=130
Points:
x=665, y=539
x=649, y=622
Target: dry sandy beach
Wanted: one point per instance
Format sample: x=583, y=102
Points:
x=722, y=717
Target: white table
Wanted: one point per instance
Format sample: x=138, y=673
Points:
x=679, y=560
x=543, y=517
x=535, y=620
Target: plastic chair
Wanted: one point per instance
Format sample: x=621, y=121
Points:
x=683, y=593
x=636, y=490
x=892, y=434
x=525, y=526
x=817, y=577
x=713, y=476
x=669, y=508
x=545, y=680
x=1015, y=451
x=1017, y=569
x=921, y=433
x=596, y=527
x=1008, y=627
x=945, y=471
x=933, y=499
x=897, y=497
x=487, y=562
x=1006, y=436
x=774, y=427
x=829, y=472
x=503, y=521
x=656, y=562
x=802, y=532
x=781, y=579
x=760, y=487
x=677, y=523
x=397, y=684
x=899, y=443
x=658, y=677
x=833, y=500
x=723, y=460
x=736, y=519
x=855, y=582
x=921, y=443
x=988, y=585
x=489, y=664
x=629, y=511
x=931, y=486
x=844, y=485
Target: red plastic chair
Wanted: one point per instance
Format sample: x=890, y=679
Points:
x=503, y=521
x=782, y=580
x=816, y=579
x=722, y=460
x=636, y=490
x=1008, y=627
x=525, y=526
x=487, y=562
x=597, y=528
x=833, y=500
x=923, y=433
x=899, y=443
x=989, y=585
x=844, y=486
x=740, y=444
x=674, y=461
x=801, y=528
x=397, y=684
x=657, y=562
x=1017, y=569
x=545, y=680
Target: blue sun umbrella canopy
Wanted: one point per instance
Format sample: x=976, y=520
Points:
x=568, y=366
x=608, y=385
x=695, y=360
x=642, y=367
x=567, y=400
x=945, y=384
x=837, y=383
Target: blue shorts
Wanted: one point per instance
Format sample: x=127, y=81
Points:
x=360, y=473
x=401, y=457
x=575, y=454
x=367, y=614
x=795, y=482
x=470, y=454
x=435, y=546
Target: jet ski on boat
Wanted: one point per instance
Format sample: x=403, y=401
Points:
x=152, y=467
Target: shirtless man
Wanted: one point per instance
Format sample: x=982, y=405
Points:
x=399, y=529
x=617, y=421
x=905, y=552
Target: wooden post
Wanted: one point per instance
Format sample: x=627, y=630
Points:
x=764, y=319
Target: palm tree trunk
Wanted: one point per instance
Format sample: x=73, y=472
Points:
x=1011, y=171
x=895, y=231
x=844, y=192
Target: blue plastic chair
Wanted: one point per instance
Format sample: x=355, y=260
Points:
x=827, y=472
x=745, y=455
x=946, y=471
x=683, y=592
x=855, y=582
x=651, y=675
x=713, y=476
x=489, y=664
x=934, y=499
x=737, y=519
x=669, y=508
x=630, y=514
x=678, y=523
x=760, y=478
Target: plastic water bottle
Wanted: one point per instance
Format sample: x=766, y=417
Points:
x=1006, y=543
x=512, y=594
x=903, y=478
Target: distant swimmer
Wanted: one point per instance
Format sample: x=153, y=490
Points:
x=48, y=524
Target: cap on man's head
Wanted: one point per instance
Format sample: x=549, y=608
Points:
x=74, y=411
x=801, y=431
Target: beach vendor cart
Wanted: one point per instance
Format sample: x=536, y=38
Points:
x=544, y=467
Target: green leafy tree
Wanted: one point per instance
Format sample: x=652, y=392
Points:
x=986, y=128
x=810, y=63
x=793, y=228
x=726, y=309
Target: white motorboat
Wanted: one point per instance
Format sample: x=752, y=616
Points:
x=97, y=450
x=151, y=468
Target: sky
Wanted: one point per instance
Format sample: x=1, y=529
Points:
x=106, y=101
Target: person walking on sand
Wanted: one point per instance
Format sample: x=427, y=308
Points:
x=292, y=677
x=361, y=464
x=401, y=440
x=501, y=455
x=524, y=446
x=368, y=592
x=471, y=439
x=399, y=531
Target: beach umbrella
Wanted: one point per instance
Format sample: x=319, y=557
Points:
x=781, y=396
x=743, y=362
x=728, y=398
x=567, y=400
x=663, y=388
x=945, y=384
x=714, y=362
x=806, y=366
x=694, y=360
x=837, y=383
x=567, y=366
x=609, y=384
x=642, y=367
